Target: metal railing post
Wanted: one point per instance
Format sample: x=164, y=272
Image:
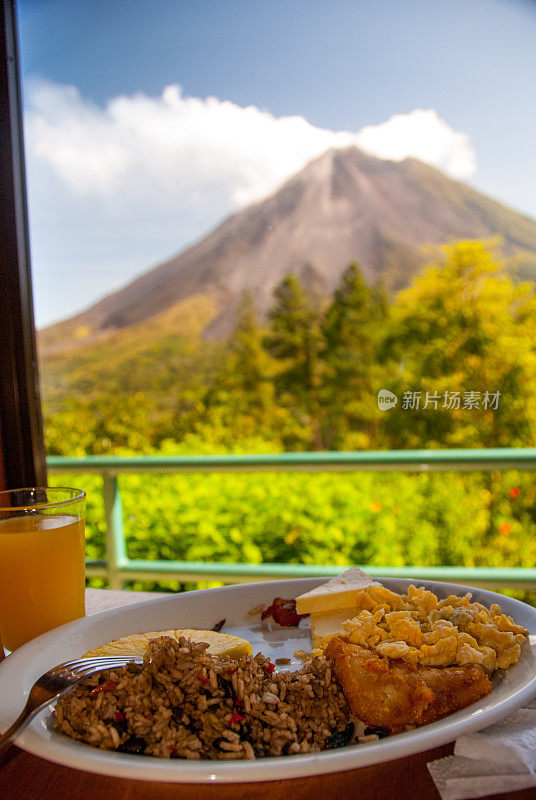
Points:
x=115, y=536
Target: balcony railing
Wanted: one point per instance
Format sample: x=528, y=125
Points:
x=118, y=567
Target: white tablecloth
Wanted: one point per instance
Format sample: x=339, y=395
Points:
x=103, y=599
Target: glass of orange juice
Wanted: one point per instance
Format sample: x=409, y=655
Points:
x=42, y=561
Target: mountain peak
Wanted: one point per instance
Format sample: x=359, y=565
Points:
x=345, y=205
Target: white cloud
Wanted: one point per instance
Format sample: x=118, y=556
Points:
x=185, y=147
x=121, y=187
x=423, y=135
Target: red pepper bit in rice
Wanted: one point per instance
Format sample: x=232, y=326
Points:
x=236, y=718
x=107, y=686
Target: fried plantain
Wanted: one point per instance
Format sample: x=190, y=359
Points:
x=390, y=693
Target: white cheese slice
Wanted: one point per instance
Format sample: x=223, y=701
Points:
x=325, y=626
x=338, y=593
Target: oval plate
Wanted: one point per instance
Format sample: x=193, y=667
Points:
x=202, y=609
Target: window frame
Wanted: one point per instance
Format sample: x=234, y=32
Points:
x=22, y=449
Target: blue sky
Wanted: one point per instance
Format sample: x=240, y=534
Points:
x=118, y=176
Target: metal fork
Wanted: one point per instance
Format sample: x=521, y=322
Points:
x=56, y=682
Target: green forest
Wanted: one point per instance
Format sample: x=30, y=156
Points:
x=456, y=348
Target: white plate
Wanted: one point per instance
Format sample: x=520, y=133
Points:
x=203, y=609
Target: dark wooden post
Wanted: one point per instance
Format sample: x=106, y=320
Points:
x=21, y=429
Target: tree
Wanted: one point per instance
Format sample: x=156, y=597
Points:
x=463, y=327
x=295, y=340
x=240, y=403
x=353, y=324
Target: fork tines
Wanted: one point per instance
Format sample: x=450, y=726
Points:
x=87, y=665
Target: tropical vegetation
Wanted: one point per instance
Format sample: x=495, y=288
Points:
x=456, y=348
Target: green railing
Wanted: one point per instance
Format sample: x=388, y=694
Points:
x=119, y=568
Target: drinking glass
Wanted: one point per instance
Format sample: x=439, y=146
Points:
x=42, y=561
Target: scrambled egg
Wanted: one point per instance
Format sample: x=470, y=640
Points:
x=421, y=629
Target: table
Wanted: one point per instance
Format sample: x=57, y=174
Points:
x=23, y=775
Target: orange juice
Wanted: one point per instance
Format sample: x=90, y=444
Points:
x=41, y=575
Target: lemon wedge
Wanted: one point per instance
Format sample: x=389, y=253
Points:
x=220, y=644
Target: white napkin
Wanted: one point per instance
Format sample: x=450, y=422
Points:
x=499, y=758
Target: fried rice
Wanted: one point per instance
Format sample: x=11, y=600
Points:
x=184, y=703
